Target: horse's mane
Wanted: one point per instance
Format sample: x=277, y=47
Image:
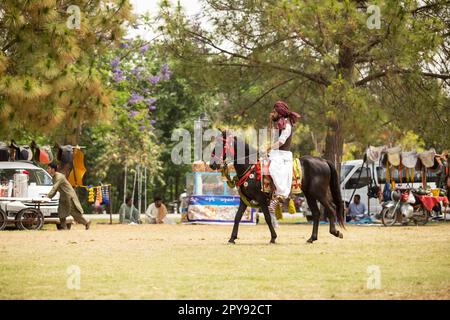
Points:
x=248, y=148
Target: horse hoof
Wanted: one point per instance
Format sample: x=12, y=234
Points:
x=231, y=241
x=310, y=240
x=341, y=235
x=272, y=241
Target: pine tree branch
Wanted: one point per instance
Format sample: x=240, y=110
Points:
x=429, y=6
x=319, y=79
x=382, y=74
x=278, y=85
x=9, y=45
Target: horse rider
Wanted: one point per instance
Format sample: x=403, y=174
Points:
x=280, y=155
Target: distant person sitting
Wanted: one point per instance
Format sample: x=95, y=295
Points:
x=356, y=210
x=128, y=214
x=156, y=212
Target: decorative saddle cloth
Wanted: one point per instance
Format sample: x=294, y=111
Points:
x=267, y=184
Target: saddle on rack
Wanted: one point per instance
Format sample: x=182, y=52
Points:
x=267, y=182
x=4, y=151
x=20, y=152
x=42, y=155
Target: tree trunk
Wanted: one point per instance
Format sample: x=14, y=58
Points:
x=334, y=144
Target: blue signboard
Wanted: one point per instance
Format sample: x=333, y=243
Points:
x=216, y=209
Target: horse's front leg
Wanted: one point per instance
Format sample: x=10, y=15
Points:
x=237, y=220
x=265, y=210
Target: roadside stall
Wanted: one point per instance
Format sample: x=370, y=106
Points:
x=210, y=200
x=414, y=197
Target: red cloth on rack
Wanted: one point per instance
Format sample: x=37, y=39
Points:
x=429, y=201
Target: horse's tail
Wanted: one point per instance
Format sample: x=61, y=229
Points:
x=336, y=193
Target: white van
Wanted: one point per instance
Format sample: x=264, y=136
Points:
x=39, y=185
x=351, y=170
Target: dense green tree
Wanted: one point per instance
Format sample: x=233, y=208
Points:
x=48, y=49
x=327, y=58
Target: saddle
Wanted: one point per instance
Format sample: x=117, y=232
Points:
x=21, y=152
x=374, y=153
x=43, y=155
x=409, y=159
x=267, y=185
x=393, y=155
x=427, y=158
x=65, y=159
x=4, y=152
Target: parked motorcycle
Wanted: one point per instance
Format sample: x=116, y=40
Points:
x=404, y=208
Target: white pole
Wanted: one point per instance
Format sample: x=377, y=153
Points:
x=139, y=189
x=145, y=188
x=125, y=184
x=132, y=196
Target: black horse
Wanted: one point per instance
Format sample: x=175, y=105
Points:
x=320, y=183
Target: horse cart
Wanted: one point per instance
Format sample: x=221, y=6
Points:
x=29, y=218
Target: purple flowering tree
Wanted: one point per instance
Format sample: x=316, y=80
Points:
x=136, y=77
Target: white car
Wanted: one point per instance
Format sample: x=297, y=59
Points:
x=39, y=185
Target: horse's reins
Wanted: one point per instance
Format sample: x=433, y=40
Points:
x=237, y=180
x=228, y=145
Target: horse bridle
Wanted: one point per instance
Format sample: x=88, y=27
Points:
x=227, y=145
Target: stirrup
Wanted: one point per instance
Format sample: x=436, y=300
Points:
x=281, y=199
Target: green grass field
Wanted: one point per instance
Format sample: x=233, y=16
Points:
x=195, y=262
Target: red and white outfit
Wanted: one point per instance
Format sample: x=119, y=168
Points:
x=281, y=162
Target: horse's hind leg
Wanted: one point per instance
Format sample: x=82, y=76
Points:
x=237, y=220
x=332, y=219
x=330, y=209
x=312, y=204
x=267, y=217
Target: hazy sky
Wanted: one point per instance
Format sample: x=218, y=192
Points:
x=142, y=6
x=151, y=6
